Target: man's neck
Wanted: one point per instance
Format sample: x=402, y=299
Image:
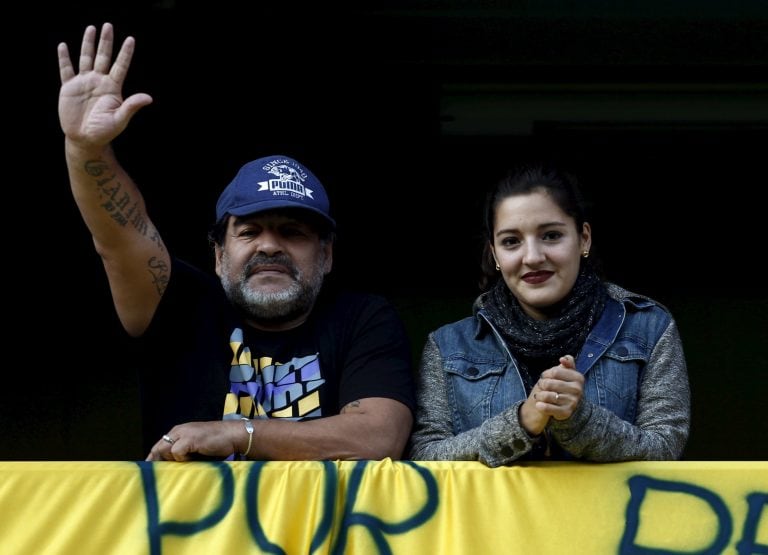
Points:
x=277, y=326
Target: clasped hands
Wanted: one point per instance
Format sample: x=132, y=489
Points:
x=556, y=395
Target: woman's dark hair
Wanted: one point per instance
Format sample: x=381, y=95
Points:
x=562, y=187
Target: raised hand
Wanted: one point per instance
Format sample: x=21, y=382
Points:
x=92, y=111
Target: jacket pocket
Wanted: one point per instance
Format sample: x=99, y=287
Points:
x=619, y=377
x=471, y=385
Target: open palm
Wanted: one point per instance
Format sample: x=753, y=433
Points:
x=91, y=106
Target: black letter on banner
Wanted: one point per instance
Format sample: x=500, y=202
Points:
x=157, y=529
x=252, y=508
x=377, y=527
x=638, y=485
x=747, y=545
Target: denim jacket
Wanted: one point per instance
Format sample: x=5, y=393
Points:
x=636, y=384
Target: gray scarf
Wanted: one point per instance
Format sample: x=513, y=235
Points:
x=538, y=344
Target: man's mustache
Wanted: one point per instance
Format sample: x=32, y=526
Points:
x=277, y=260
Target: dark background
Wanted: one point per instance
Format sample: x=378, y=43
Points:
x=407, y=111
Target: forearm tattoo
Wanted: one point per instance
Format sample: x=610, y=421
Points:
x=159, y=272
x=121, y=206
x=350, y=406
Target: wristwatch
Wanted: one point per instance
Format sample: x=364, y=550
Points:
x=249, y=429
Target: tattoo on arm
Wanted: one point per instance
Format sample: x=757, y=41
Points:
x=349, y=406
x=159, y=272
x=124, y=208
x=118, y=203
x=154, y=236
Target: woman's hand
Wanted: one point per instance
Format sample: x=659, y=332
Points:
x=556, y=395
x=559, y=389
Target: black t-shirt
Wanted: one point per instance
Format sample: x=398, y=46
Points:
x=200, y=361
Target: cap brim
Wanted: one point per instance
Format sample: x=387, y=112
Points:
x=265, y=205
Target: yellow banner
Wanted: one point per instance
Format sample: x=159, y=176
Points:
x=371, y=507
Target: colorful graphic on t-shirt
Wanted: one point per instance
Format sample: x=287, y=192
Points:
x=264, y=388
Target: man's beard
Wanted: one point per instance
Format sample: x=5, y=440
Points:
x=278, y=306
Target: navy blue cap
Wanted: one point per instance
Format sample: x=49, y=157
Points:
x=273, y=182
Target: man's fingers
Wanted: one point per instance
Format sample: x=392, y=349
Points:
x=87, y=49
x=104, y=52
x=66, y=71
x=123, y=61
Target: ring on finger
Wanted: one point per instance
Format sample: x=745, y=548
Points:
x=168, y=439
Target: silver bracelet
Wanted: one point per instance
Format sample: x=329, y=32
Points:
x=249, y=429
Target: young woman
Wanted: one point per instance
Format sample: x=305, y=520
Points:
x=554, y=362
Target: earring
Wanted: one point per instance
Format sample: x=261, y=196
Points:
x=585, y=253
x=498, y=267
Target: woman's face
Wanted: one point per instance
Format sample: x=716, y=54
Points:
x=538, y=249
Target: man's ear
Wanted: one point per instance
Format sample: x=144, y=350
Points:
x=328, y=249
x=217, y=252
